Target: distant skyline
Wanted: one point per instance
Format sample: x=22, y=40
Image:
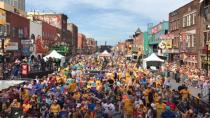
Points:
x=109, y=21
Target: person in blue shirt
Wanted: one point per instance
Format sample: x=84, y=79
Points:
x=168, y=113
x=91, y=106
x=64, y=113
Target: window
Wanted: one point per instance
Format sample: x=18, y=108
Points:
x=193, y=18
x=20, y=32
x=188, y=41
x=184, y=21
x=188, y=20
x=191, y=40
x=208, y=39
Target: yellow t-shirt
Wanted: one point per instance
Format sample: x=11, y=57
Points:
x=128, y=106
x=160, y=108
x=72, y=87
x=55, y=108
x=25, y=95
x=77, y=96
x=26, y=107
x=185, y=93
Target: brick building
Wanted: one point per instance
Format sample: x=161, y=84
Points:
x=18, y=30
x=44, y=36
x=138, y=46
x=56, y=20
x=184, y=24
x=91, y=44
x=74, y=42
x=204, y=31
x=81, y=41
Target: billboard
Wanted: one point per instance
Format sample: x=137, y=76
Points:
x=40, y=45
x=2, y=17
x=54, y=20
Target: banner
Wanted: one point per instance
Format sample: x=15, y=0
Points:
x=168, y=44
x=209, y=47
x=2, y=17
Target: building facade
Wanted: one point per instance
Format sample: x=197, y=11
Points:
x=14, y=6
x=184, y=24
x=91, y=44
x=43, y=36
x=74, y=42
x=204, y=30
x=154, y=37
x=18, y=31
x=56, y=20
x=81, y=45
x=146, y=44
x=138, y=46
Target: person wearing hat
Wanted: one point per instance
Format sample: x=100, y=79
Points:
x=168, y=113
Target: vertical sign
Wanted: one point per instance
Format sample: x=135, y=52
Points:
x=2, y=17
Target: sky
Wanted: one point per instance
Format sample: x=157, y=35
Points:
x=109, y=21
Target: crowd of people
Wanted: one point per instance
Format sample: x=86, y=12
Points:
x=12, y=68
x=99, y=87
x=191, y=76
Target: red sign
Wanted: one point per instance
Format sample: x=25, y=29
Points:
x=24, y=68
x=54, y=20
x=40, y=45
x=167, y=36
x=154, y=30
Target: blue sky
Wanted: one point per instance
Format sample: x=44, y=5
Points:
x=109, y=20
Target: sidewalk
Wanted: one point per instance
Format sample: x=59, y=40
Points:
x=193, y=91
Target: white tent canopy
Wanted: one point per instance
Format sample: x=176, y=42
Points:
x=105, y=54
x=152, y=58
x=54, y=54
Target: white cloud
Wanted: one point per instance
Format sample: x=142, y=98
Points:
x=53, y=5
x=110, y=24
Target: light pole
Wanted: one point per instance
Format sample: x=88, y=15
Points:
x=207, y=55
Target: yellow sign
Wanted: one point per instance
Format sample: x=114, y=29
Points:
x=168, y=44
x=209, y=47
x=2, y=17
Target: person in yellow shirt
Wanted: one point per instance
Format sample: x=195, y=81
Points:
x=25, y=94
x=156, y=97
x=72, y=87
x=55, y=109
x=160, y=106
x=185, y=93
x=26, y=106
x=146, y=94
x=77, y=96
x=128, y=108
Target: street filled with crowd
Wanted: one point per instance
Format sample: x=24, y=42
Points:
x=106, y=87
